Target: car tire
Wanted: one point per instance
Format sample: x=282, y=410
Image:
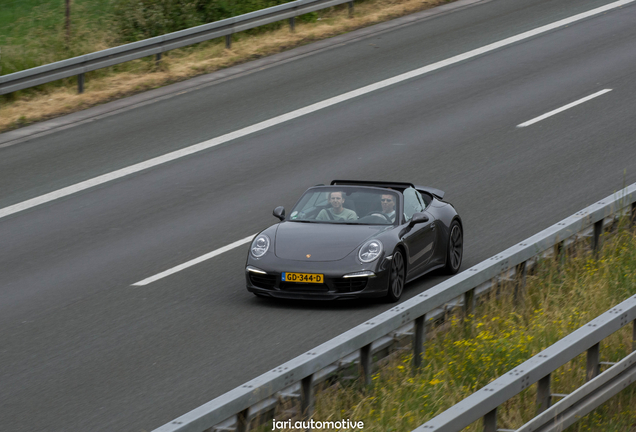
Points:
x=455, y=249
x=396, y=278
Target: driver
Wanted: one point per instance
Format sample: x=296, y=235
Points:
x=388, y=206
x=337, y=210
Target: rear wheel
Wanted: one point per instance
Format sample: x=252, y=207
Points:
x=455, y=249
x=396, y=277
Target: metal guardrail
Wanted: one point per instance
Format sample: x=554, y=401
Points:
x=586, y=398
x=538, y=369
x=298, y=376
x=160, y=44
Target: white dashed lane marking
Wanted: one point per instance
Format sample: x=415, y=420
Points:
x=190, y=263
x=563, y=108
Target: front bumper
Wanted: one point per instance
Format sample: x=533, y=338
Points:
x=266, y=280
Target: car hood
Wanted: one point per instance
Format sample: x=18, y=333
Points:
x=321, y=242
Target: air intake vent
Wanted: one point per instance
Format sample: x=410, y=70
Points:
x=303, y=287
x=350, y=284
x=263, y=281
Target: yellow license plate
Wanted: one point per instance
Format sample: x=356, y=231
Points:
x=303, y=277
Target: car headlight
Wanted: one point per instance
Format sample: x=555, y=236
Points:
x=370, y=251
x=260, y=246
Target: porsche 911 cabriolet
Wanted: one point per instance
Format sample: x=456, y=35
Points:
x=355, y=239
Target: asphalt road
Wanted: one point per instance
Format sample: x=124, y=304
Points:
x=82, y=349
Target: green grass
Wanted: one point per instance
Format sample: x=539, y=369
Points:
x=13, y=10
x=32, y=32
x=499, y=336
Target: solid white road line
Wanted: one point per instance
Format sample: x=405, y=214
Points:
x=563, y=108
x=190, y=263
x=24, y=205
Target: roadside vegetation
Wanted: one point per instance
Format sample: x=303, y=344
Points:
x=461, y=358
x=33, y=33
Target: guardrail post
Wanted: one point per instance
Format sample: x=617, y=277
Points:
x=632, y=216
x=559, y=252
x=365, y=363
x=543, y=394
x=80, y=83
x=292, y=24
x=520, y=284
x=307, y=397
x=593, y=362
x=350, y=9
x=490, y=421
x=228, y=41
x=596, y=240
x=418, y=342
x=242, y=421
x=157, y=59
x=469, y=302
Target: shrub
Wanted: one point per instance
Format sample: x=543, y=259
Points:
x=142, y=19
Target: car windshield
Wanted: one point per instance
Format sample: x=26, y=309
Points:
x=347, y=204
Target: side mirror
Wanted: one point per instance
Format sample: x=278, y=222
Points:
x=279, y=212
x=418, y=218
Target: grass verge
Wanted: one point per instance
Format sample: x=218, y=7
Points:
x=461, y=359
x=48, y=101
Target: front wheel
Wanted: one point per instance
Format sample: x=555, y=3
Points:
x=455, y=250
x=396, y=278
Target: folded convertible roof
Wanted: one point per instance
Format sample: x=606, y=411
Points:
x=399, y=185
x=395, y=185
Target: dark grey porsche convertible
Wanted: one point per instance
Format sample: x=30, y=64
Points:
x=355, y=239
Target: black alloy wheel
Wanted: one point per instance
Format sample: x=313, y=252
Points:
x=455, y=248
x=396, y=277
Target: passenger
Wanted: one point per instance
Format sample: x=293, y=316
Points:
x=388, y=206
x=337, y=210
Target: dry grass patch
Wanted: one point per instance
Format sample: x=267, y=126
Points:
x=112, y=83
